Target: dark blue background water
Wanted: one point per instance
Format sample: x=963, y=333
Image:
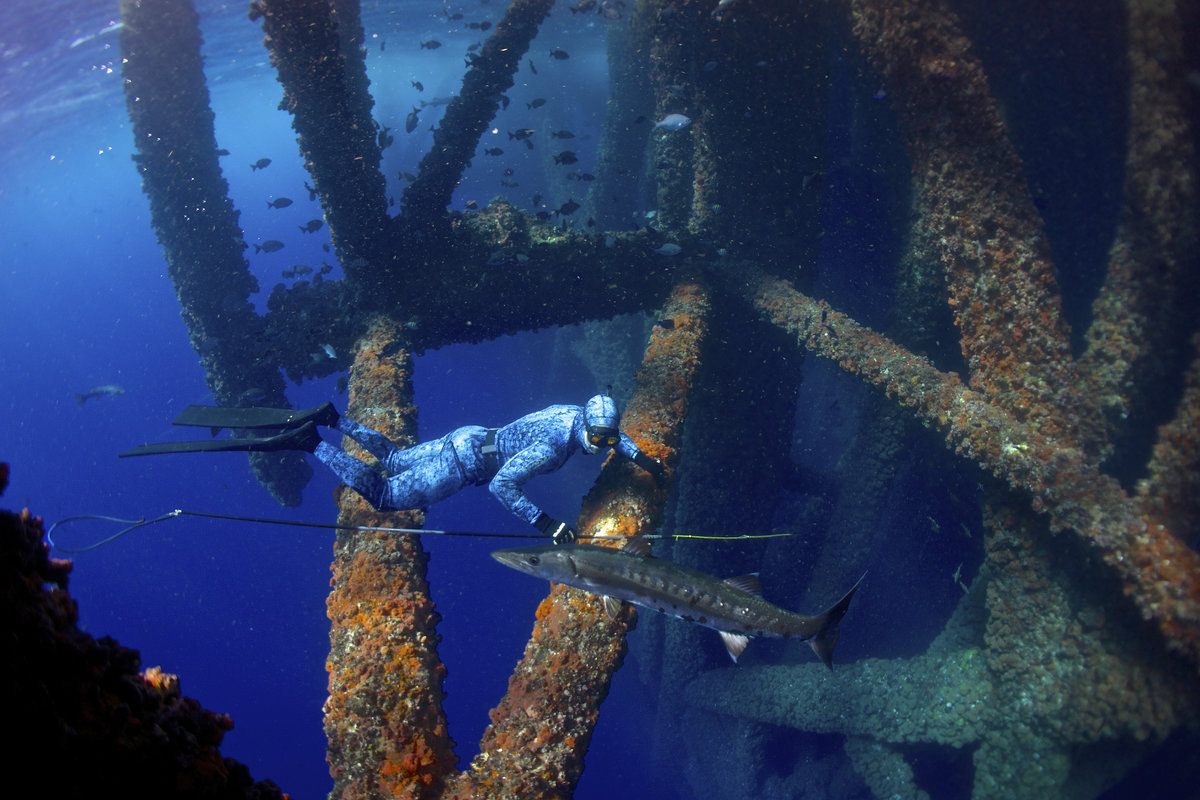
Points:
x=238, y=610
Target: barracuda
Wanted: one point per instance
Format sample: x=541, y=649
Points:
x=733, y=607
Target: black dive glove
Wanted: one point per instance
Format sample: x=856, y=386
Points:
x=560, y=532
x=651, y=465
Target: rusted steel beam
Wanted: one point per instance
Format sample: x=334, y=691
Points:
x=167, y=98
x=325, y=91
x=1158, y=571
x=383, y=718
x=981, y=217
x=540, y=731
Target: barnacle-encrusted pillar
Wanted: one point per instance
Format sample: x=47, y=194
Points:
x=1159, y=572
x=384, y=720
x=1171, y=492
x=1150, y=286
x=621, y=156
x=540, y=731
x=981, y=215
x=671, y=53
x=167, y=99
x=325, y=91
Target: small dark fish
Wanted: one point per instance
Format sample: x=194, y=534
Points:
x=560, y=54
x=325, y=246
x=385, y=138
x=509, y=171
x=279, y=202
x=417, y=85
x=262, y=163
x=471, y=204
x=407, y=176
x=529, y=143
x=583, y=6
x=411, y=121
x=565, y=157
x=485, y=26
x=312, y=226
x=432, y=44
x=509, y=184
x=452, y=17
x=586, y=177
x=302, y=269
x=640, y=120
x=312, y=193
x=493, y=151
x=543, y=215
x=96, y=392
x=325, y=269
x=222, y=152
x=537, y=199
x=343, y=383
x=591, y=223
x=382, y=45
x=288, y=274
x=538, y=103
x=665, y=324
x=269, y=246
x=523, y=133
x=569, y=207
x=562, y=135
x=471, y=48
x=532, y=68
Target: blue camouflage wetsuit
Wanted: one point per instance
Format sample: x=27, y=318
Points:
x=422, y=475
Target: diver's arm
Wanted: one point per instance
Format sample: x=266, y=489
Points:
x=506, y=485
x=630, y=450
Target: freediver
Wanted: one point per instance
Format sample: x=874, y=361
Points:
x=419, y=476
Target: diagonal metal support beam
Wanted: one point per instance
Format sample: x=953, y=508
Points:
x=1159, y=572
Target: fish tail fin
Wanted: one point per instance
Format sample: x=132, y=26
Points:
x=827, y=633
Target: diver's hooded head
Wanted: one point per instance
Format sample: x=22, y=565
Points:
x=601, y=424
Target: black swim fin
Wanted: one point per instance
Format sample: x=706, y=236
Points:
x=217, y=417
x=303, y=438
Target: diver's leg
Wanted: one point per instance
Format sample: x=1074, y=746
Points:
x=355, y=474
x=428, y=480
x=375, y=442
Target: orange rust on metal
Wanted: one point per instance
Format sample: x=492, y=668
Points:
x=383, y=718
x=1158, y=570
x=982, y=217
x=540, y=730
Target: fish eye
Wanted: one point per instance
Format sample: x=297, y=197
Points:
x=534, y=561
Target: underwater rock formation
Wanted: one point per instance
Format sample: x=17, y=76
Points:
x=94, y=723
